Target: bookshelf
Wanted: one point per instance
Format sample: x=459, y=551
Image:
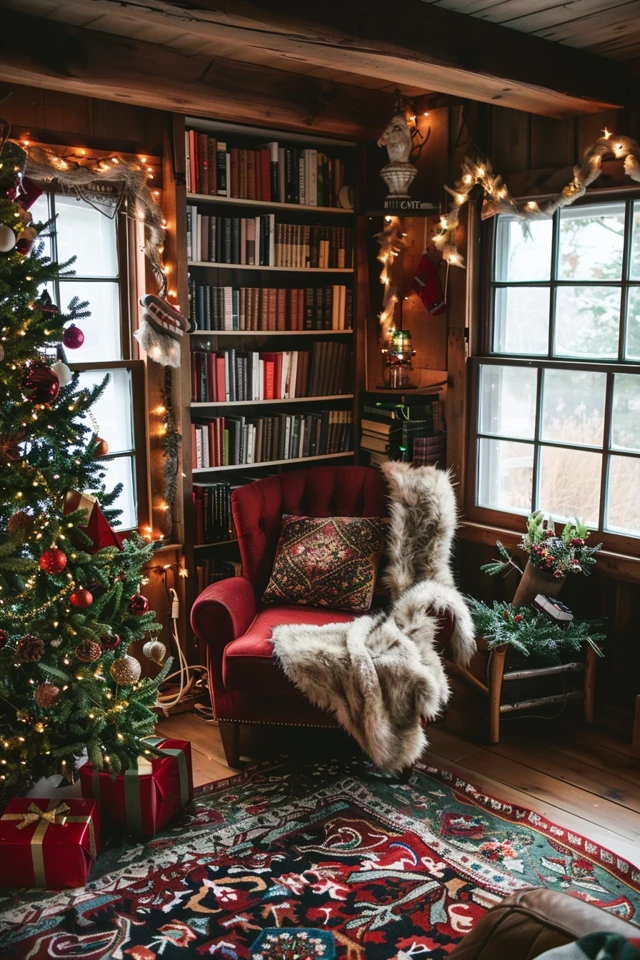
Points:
x=268, y=277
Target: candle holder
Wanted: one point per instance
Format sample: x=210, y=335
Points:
x=397, y=361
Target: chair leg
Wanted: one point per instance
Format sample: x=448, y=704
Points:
x=496, y=673
x=230, y=735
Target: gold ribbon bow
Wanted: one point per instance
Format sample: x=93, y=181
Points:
x=57, y=813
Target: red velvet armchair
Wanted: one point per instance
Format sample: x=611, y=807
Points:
x=246, y=683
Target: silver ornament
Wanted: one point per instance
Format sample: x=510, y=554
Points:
x=7, y=238
x=62, y=372
x=125, y=671
x=155, y=650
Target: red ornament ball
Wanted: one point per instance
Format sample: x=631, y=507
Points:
x=46, y=695
x=88, y=651
x=41, y=384
x=138, y=605
x=81, y=598
x=73, y=337
x=3, y=638
x=20, y=522
x=110, y=641
x=30, y=649
x=53, y=560
x=101, y=448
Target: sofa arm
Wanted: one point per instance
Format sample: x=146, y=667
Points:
x=532, y=921
x=221, y=613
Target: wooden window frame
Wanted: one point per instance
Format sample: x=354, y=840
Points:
x=615, y=543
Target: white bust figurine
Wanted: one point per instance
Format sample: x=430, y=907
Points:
x=397, y=139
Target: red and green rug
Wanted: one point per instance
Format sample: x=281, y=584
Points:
x=385, y=867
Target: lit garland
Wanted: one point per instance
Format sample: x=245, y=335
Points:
x=392, y=243
x=498, y=199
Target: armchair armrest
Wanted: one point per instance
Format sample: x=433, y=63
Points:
x=221, y=613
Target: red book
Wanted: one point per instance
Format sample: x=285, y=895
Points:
x=277, y=386
x=211, y=376
x=220, y=379
x=258, y=176
x=203, y=163
x=233, y=164
x=251, y=174
x=269, y=375
x=281, y=309
x=213, y=460
x=193, y=162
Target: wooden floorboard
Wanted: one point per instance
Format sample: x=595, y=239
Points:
x=579, y=777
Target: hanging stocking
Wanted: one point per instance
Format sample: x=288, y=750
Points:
x=426, y=284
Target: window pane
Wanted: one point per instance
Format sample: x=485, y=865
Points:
x=114, y=410
x=88, y=235
x=521, y=256
x=625, y=422
x=587, y=322
x=623, y=503
x=634, y=271
x=122, y=470
x=591, y=243
x=102, y=329
x=507, y=401
x=522, y=320
x=569, y=484
x=632, y=345
x=505, y=473
x=573, y=406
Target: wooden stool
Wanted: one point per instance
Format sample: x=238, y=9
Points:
x=497, y=677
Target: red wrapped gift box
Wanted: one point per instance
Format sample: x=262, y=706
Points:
x=48, y=843
x=143, y=799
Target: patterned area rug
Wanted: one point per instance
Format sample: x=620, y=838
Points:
x=385, y=867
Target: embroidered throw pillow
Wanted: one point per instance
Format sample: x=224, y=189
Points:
x=327, y=562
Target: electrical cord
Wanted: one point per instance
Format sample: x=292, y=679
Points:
x=185, y=672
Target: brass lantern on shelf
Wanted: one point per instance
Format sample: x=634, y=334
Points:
x=397, y=358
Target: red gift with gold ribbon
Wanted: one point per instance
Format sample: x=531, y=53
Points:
x=48, y=843
x=141, y=800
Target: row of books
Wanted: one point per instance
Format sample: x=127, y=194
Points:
x=231, y=376
x=229, y=441
x=271, y=308
x=210, y=571
x=275, y=173
x=402, y=429
x=261, y=242
x=212, y=507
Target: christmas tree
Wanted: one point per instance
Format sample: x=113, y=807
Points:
x=68, y=611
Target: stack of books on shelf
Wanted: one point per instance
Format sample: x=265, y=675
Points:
x=211, y=571
x=269, y=309
x=403, y=428
x=232, y=376
x=263, y=242
x=228, y=441
x=212, y=505
x=271, y=172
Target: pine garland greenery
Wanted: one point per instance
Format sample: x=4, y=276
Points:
x=54, y=704
x=532, y=633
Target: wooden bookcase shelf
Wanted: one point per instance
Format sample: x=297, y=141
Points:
x=338, y=221
x=266, y=204
x=272, y=463
x=245, y=266
x=270, y=403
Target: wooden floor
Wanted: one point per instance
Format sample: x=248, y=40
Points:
x=579, y=777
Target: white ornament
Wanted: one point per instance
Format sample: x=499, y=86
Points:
x=155, y=650
x=7, y=238
x=62, y=372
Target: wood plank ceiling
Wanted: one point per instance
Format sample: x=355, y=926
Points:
x=610, y=28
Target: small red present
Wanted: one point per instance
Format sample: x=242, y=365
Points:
x=143, y=799
x=48, y=843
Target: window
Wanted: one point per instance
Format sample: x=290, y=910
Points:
x=99, y=244
x=557, y=388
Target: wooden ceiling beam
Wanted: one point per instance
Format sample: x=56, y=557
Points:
x=46, y=54
x=423, y=45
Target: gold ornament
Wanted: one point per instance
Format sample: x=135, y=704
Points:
x=155, y=650
x=125, y=671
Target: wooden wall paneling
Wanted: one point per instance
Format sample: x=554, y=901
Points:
x=553, y=142
x=590, y=128
x=429, y=332
x=511, y=140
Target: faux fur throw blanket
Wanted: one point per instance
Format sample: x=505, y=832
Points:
x=381, y=674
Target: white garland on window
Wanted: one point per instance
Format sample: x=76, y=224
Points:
x=498, y=199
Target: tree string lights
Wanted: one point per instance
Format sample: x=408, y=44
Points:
x=392, y=243
x=498, y=199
